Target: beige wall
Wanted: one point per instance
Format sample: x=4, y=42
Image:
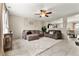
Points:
x=18, y=24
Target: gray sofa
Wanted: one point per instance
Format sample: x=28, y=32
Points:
x=55, y=35
x=36, y=34
x=31, y=34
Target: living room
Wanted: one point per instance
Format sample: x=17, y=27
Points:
x=41, y=29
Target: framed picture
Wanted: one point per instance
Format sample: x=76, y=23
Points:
x=52, y=25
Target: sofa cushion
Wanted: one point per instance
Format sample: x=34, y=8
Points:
x=32, y=37
x=29, y=32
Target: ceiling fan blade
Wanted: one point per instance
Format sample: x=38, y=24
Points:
x=37, y=14
x=46, y=15
x=49, y=13
x=40, y=16
x=51, y=9
x=41, y=10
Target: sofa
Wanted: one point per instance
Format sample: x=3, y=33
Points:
x=36, y=34
x=55, y=34
x=31, y=34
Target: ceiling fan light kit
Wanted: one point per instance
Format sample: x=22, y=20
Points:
x=42, y=14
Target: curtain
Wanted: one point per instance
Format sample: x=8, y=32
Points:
x=5, y=22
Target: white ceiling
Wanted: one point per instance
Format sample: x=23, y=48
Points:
x=29, y=9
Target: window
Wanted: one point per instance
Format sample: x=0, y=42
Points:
x=5, y=22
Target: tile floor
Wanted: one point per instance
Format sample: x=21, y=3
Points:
x=64, y=48
x=43, y=47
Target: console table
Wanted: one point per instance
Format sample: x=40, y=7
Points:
x=8, y=41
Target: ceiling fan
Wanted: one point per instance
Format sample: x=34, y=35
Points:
x=44, y=13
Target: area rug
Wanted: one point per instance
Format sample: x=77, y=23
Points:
x=23, y=47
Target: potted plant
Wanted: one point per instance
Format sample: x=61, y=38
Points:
x=44, y=29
